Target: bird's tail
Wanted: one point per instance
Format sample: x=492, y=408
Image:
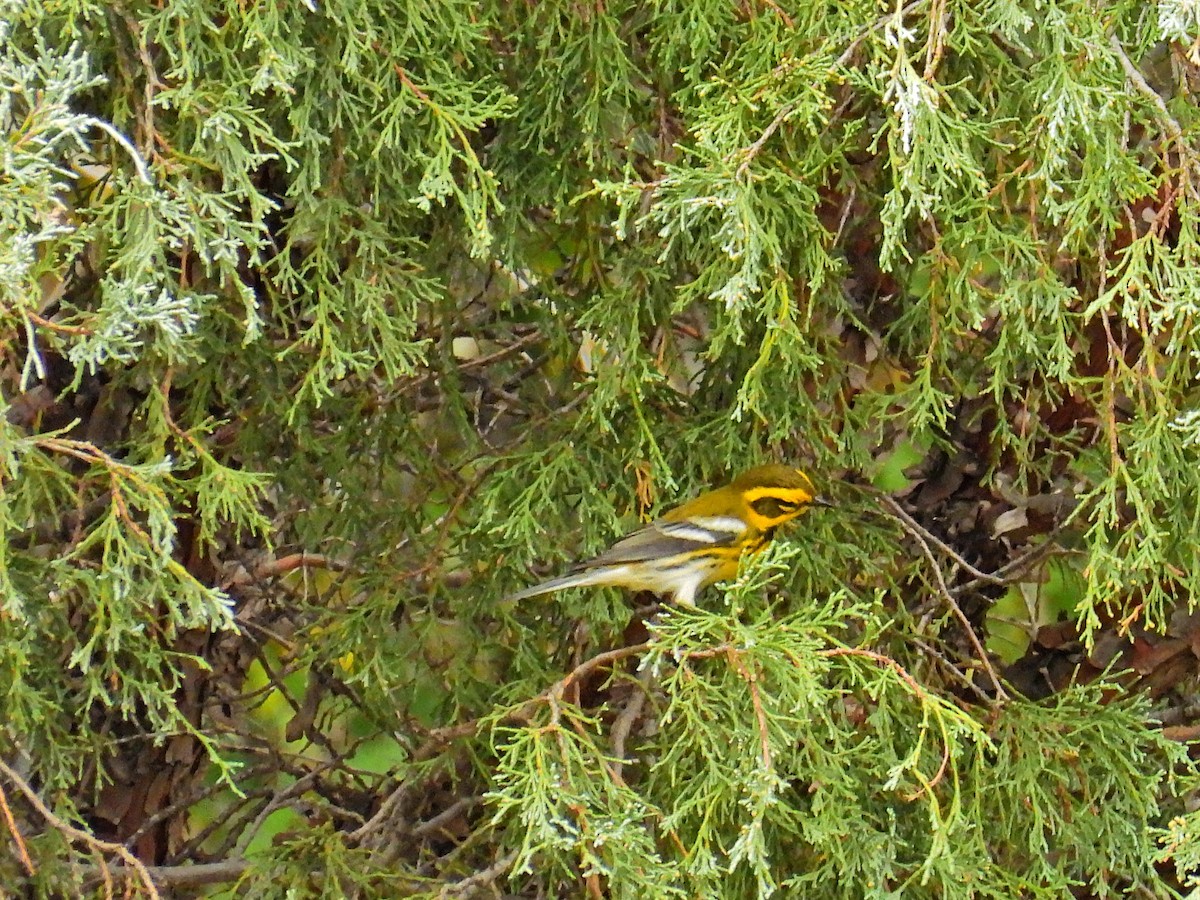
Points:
x=577, y=579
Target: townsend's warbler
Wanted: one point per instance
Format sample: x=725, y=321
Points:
x=697, y=543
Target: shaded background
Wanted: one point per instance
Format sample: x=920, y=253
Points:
x=325, y=326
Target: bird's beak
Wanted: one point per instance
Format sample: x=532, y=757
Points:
x=821, y=501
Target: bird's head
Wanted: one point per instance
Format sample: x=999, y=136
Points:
x=775, y=494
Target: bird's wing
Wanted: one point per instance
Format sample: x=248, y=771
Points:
x=663, y=538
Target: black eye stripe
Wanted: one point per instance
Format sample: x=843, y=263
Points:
x=773, y=507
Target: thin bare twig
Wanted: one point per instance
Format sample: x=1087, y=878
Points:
x=912, y=526
x=1187, y=159
x=623, y=723
x=949, y=664
x=193, y=798
x=72, y=833
x=433, y=825
x=11, y=822
x=389, y=805
x=760, y=715
x=754, y=149
x=479, y=880
x=919, y=534
x=189, y=875
x=285, y=564
x=138, y=163
x=1143, y=87
x=586, y=668
x=56, y=326
x=1014, y=569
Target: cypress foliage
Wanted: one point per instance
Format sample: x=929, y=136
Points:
x=326, y=324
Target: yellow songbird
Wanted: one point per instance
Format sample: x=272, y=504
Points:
x=698, y=543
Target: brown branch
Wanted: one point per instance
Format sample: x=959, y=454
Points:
x=913, y=527
x=479, y=880
x=778, y=10
x=302, y=560
x=586, y=668
x=751, y=679
x=440, y=737
x=1006, y=574
x=444, y=522
x=145, y=114
x=386, y=808
x=408, y=83
x=949, y=664
x=516, y=346
x=623, y=723
x=872, y=655
x=278, y=799
x=1139, y=81
x=764, y=735
x=122, y=508
x=709, y=652
x=1116, y=355
x=71, y=833
x=88, y=452
x=285, y=564
x=191, y=875
x=754, y=149
x=1011, y=571
x=56, y=326
x=81, y=450
x=935, y=46
x=432, y=826
x=22, y=851
x=192, y=798
x=919, y=534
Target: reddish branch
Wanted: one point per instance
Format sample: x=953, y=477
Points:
x=22, y=851
x=56, y=326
